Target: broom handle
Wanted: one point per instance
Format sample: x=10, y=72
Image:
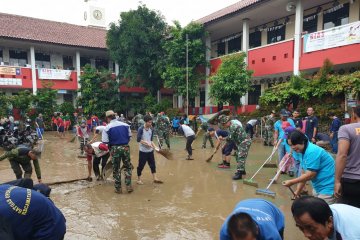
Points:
x=267, y=160
x=278, y=172
x=157, y=137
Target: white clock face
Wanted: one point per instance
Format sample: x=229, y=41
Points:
x=97, y=14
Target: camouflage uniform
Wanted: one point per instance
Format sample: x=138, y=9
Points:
x=163, y=129
x=269, y=130
x=138, y=121
x=205, y=127
x=242, y=142
x=121, y=153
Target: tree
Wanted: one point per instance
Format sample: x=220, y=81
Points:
x=232, y=80
x=22, y=101
x=135, y=43
x=174, y=72
x=99, y=91
x=5, y=104
x=45, y=100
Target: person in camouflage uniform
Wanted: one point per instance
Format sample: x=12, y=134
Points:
x=205, y=127
x=162, y=129
x=269, y=121
x=138, y=121
x=237, y=139
x=117, y=134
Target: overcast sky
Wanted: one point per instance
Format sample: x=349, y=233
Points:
x=72, y=11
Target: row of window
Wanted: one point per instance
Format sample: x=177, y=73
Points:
x=42, y=60
x=330, y=20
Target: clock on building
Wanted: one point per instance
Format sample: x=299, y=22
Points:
x=97, y=14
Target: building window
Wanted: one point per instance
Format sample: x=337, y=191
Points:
x=102, y=63
x=337, y=18
x=68, y=63
x=254, y=95
x=255, y=39
x=84, y=61
x=68, y=97
x=310, y=23
x=17, y=58
x=42, y=60
x=276, y=35
x=221, y=49
x=202, y=98
x=234, y=45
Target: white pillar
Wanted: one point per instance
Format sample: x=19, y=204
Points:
x=297, y=38
x=245, y=37
x=207, y=71
x=33, y=69
x=117, y=70
x=158, y=96
x=78, y=72
x=180, y=101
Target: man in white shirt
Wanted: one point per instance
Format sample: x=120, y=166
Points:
x=190, y=137
x=251, y=124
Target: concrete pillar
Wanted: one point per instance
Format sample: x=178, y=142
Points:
x=117, y=70
x=158, y=96
x=92, y=63
x=33, y=69
x=111, y=66
x=297, y=37
x=180, y=101
x=245, y=36
x=207, y=71
x=78, y=71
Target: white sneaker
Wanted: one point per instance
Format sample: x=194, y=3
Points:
x=139, y=182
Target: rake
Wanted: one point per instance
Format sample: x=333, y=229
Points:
x=266, y=191
x=250, y=181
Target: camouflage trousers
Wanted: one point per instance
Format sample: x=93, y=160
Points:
x=268, y=137
x=242, y=153
x=121, y=153
x=164, y=136
x=207, y=137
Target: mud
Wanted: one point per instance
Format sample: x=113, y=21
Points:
x=192, y=203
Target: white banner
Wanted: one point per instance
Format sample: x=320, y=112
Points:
x=333, y=37
x=54, y=74
x=10, y=82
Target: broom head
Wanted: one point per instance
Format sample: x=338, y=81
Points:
x=165, y=153
x=265, y=192
x=270, y=165
x=73, y=139
x=210, y=158
x=108, y=169
x=250, y=182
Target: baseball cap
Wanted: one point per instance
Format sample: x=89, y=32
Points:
x=224, y=119
x=211, y=129
x=273, y=111
x=284, y=113
x=109, y=113
x=288, y=131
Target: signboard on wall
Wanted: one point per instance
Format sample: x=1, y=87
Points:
x=54, y=74
x=333, y=37
x=10, y=82
x=10, y=71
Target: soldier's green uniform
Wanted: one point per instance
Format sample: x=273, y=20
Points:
x=205, y=127
x=269, y=130
x=162, y=127
x=138, y=121
x=19, y=157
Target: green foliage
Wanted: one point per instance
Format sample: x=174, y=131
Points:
x=99, y=92
x=45, y=101
x=150, y=102
x=135, y=43
x=174, y=72
x=22, y=101
x=232, y=80
x=172, y=112
x=5, y=105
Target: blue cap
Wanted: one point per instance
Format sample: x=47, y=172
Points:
x=211, y=129
x=288, y=131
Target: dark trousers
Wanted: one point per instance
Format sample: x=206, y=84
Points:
x=17, y=169
x=249, y=130
x=96, y=162
x=146, y=157
x=350, y=192
x=334, y=143
x=189, y=141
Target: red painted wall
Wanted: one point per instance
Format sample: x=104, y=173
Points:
x=276, y=58
x=338, y=55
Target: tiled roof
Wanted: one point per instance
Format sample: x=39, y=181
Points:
x=226, y=11
x=27, y=28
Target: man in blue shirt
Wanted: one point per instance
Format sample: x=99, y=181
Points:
x=279, y=132
x=317, y=220
x=317, y=165
x=254, y=219
x=30, y=215
x=117, y=134
x=334, y=129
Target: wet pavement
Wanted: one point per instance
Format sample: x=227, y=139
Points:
x=192, y=203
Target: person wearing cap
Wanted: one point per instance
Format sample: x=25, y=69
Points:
x=117, y=135
x=238, y=139
x=221, y=135
x=21, y=157
x=83, y=136
x=317, y=165
x=311, y=125
x=269, y=121
x=162, y=126
x=279, y=132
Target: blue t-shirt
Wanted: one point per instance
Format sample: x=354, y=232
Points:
x=316, y=159
x=30, y=214
x=175, y=123
x=267, y=216
x=277, y=127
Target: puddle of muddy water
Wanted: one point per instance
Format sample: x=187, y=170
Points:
x=192, y=203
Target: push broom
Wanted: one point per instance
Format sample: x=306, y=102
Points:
x=250, y=181
x=272, y=165
x=266, y=191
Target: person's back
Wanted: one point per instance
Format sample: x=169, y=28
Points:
x=346, y=220
x=30, y=214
